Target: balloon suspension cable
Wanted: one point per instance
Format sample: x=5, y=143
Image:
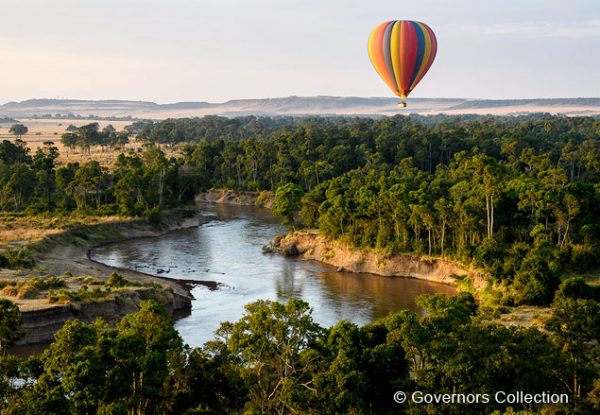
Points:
x=403, y=95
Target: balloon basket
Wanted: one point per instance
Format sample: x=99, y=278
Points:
x=402, y=105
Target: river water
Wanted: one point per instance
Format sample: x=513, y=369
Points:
x=227, y=248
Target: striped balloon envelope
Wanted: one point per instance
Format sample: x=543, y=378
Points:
x=402, y=52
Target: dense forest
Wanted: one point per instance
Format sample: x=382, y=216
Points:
x=277, y=360
x=138, y=183
x=517, y=197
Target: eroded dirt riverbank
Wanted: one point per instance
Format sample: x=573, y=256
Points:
x=313, y=246
x=68, y=254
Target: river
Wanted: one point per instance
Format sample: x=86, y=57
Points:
x=227, y=248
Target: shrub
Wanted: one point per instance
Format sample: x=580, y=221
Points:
x=489, y=255
x=583, y=257
x=92, y=281
x=53, y=283
x=31, y=287
x=27, y=291
x=62, y=297
x=107, y=210
x=263, y=198
x=536, y=281
x=113, y=408
x=576, y=288
x=513, y=261
x=4, y=283
x=115, y=280
x=154, y=216
x=9, y=291
x=17, y=258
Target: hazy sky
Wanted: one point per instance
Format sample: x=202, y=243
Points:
x=215, y=50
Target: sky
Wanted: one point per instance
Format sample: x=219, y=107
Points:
x=216, y=50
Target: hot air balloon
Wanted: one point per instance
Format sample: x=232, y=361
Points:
x=402, y=52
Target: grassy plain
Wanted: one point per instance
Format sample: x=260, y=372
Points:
x=42, y=130
x=19, y=229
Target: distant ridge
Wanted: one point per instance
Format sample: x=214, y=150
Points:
x=295, y=105
x=487, y=103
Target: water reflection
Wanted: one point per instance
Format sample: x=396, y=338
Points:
x=227, y=249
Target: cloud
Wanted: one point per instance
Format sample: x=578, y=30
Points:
x=579, y=30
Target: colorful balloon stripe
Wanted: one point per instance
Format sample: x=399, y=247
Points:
x=402, y=52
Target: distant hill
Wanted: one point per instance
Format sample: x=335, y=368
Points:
x=319, y=105
x=7, y=120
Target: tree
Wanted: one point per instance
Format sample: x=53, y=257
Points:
x=69, y=140
x=109, y=129
x=575, y=327
x=88, y=136
x=130, y=186
x=19, y=187
x=145, y=341
x=16, y=152
x=272, y=342
x=10, y=323
x=89, y=183
x=18, y=130
x=287, y=202
x=359, y=368
x=92, y=368
x=119, y=140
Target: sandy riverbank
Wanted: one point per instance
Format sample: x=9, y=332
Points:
x=82, y=263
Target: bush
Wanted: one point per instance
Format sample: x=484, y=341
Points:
x=27, y=291
x=83, y=295
x=107, y=210
x=576, y=288
x=583, y=257
x=4, y=283
x=263, y=198
x=9, y=291
x=115, y=280
x=536, y=281
x=154, y=216
x=17, y=258
x=53, y=283
x=514, y=260
x=31, y=287
x=62, y=297
x=92, y=281
x=489, y=255
x=113, y=408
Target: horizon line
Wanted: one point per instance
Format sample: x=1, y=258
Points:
x=292, y=96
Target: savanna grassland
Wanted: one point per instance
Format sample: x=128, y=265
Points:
x=41, y=130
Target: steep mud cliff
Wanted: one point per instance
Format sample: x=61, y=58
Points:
x=233, y=197
x=312, y=246
x=39, y=325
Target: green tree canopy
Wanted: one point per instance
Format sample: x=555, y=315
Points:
x=287, y=202
x=18, y=129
